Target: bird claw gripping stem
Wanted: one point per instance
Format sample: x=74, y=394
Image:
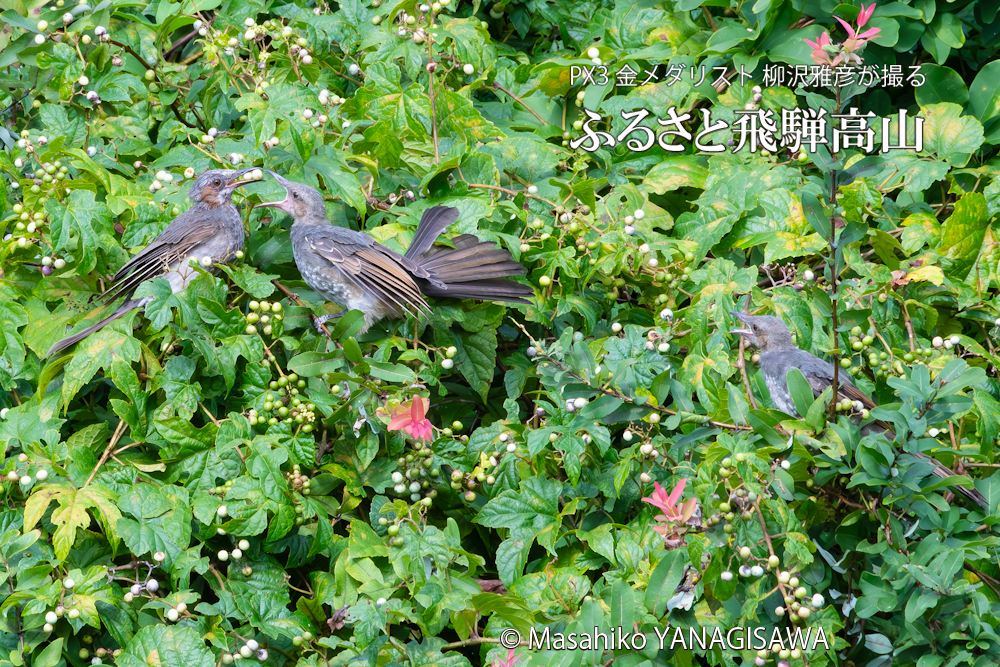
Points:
x=323, y=319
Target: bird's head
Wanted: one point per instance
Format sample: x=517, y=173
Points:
x=765, y=332
x=216, y=186
x=303, y=203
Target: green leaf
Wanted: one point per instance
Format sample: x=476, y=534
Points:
x=50, y=655
x=950, y=135
x=962, y=233
x=663, y=581
x=476, y=358
x=166, y=646
x=257, y=285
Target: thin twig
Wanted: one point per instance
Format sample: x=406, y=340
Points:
x=119, y=431
x=497, y=86
x=512, y=193
x=295, y=298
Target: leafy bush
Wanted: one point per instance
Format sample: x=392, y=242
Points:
x=197, y=484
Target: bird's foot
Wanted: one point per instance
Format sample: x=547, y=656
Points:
x=323, y=319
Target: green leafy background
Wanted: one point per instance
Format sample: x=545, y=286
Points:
x=553, y=419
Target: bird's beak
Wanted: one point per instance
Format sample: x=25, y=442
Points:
x=741, y=332
x=245, y=176
x=280, y=205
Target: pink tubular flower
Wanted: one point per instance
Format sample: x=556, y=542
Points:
x=411, y=418
x=672, y=513
x=865, y=14
x=867, y=34
x=820, y=42
x=509, y=662
x=819, y=53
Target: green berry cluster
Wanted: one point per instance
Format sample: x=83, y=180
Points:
x=416, y=474
x=265, y=315
x=284, y=405
x=297, y=481
x=673, y=276
x=879, y=361
x=222, y=490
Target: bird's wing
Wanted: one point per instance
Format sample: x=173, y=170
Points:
x=820, y=377
x=371, y=267
x=178, y=240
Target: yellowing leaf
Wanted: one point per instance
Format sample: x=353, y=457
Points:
x=930, y=274
x=70, y=515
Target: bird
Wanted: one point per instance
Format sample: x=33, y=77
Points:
x=212, y=229
x=778, y=355
x=352, y=270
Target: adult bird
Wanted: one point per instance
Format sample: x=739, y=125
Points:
x=354, y=271
x=212, y=228
x=778, y=355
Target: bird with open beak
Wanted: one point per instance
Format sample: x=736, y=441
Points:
x=210, y=232
x=350, y=269
x=778, y=355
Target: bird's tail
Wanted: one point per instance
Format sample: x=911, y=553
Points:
x=945, y=473
x=473, y=269
x=128, y=306
x=939, y=470
x=434, y=221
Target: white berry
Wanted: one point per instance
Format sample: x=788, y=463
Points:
x=68, y=582
x=223, y=555
x=222, y=511
x=172, y=615
x=593, y=52
x=41, y=475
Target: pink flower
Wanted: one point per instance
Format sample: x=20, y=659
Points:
x=865, y=14
x=411, y=417
x=852, y=35
x=509, y=662
x=822, y=41
x=819, y=54
x=668, y=503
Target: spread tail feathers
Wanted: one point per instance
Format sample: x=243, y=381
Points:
x=126, y=307
x=434, y=221
x=473, y=269
x=939, y=470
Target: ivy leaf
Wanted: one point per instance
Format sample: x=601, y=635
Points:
x=81, y=226
x=166, y=646
x=256, y=284
x=476, y=358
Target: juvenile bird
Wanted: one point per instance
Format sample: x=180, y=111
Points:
x=778, y=355
x=352, y=270
x=211, y=228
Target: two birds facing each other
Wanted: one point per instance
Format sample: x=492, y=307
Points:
x=346, y=267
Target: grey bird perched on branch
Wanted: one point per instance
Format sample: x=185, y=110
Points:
x=778, y=355
x=352, y=270
x=212, y=228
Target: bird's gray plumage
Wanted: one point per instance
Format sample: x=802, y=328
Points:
x=211, y=228
x=778, y=355
x=352, y=270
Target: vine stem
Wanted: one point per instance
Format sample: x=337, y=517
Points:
x=496, y=86
x=834, y=270
x=119, y=432
x=770, y=550
x=295, y=298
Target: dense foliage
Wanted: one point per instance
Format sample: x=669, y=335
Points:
x=211, y=480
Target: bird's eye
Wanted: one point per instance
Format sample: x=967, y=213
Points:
x=295, y=195
x=216, y=182
x=756, y=328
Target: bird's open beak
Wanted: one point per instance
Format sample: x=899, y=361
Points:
x=741, y=332
x=245, y=176
x=275, y=204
